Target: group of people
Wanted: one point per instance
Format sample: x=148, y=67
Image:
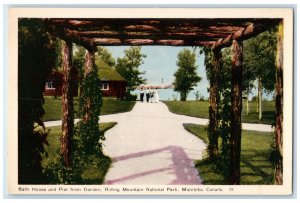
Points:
x=149, y=95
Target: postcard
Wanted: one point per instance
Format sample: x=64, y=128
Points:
x=150, y=101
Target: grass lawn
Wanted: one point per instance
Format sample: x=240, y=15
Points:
x=91, y=175
x=200, y=109
x=256, y=167
x=53, y=107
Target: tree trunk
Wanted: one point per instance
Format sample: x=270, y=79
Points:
x=259, y=97
x=279, y=107
x=247, y=103
x=89, y=63
x=236, y=111
x=67, y=105
x=182, y=96
x=55, y=93
x=213, y=134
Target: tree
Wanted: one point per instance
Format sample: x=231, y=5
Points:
x=128, y=67
x=259, y=61
x=186, y=76
x=78, y=63
x=106, y=56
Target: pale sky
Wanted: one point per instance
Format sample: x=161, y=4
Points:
x=161, y=63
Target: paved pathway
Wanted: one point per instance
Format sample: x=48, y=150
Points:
x=149, y=146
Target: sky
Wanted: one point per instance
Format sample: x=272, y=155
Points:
x=160, y=63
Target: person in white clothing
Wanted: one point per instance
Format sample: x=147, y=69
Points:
x=147, y=95
x=151, y=95
x=142, y=95
x=156, y=95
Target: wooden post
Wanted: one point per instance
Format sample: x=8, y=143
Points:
x=279, y=107
x=236, y=111
x=89, y=63
x=213, y=148
x=67, y=105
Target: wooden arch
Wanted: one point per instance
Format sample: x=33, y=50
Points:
x=216, y=33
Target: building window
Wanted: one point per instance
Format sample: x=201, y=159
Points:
x=49, y=85
x=104, y=86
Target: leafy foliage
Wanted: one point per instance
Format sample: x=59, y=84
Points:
x=79, y=59
x=106, y=56
x=259, y=58
x=186, y=76
x=86, y=147
x=37, y=54
x=91, y=170
x=128, y=67
x=90, y=105
x=259, y=61
x=223, y=105
x=78, y=63
x=58, y=173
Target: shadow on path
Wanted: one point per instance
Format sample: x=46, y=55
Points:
x=182, y=167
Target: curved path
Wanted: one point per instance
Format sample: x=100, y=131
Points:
x=149, y=146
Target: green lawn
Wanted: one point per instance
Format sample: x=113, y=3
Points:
x=53, y=107
x=200, y=109
x=256, y=167
x=91, y=175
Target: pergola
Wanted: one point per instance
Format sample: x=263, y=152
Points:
x=216, y=33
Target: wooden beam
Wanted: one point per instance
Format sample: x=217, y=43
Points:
x=279, y=107
x=205, y=36
x=89, y=62
x=149, y=42
x=213, y=147
x=88, y=23
x=69, y=35
x=236, y=111
x=193, y=32
x=111, y=33
x=67, y=105
x=242, y=34
x=88, y=67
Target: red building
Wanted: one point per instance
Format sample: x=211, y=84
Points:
x=112, y=84
x=54, y=82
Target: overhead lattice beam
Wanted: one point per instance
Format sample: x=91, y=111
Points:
x=162, y=42
x=242, y=34
x=218, y=32
x=161, y=23
x=69, y=35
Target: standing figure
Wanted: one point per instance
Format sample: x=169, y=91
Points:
x=142, y=95
x=147, y=95
x=156, y=96
x=151, y=95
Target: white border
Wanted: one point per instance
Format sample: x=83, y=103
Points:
x=15, y=13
